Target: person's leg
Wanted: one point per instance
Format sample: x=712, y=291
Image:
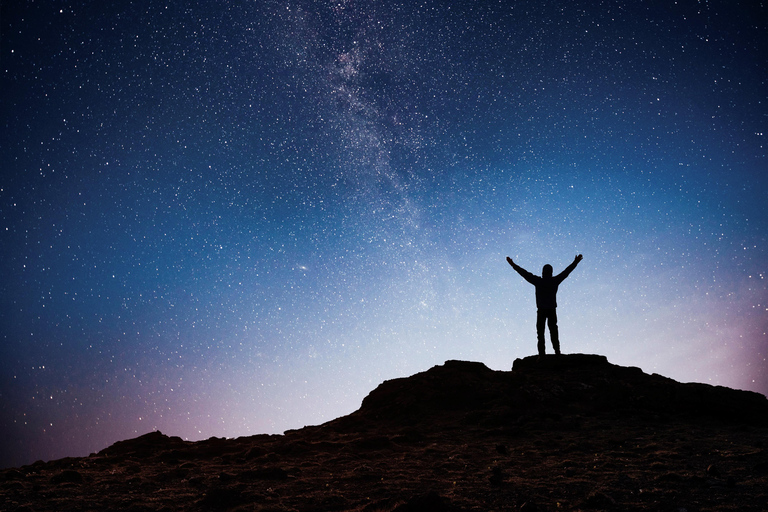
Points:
x=553, y=332
x=541, y=319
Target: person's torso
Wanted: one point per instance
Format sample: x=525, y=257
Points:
x=546, y=293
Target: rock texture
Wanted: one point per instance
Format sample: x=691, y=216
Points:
x=572, y=432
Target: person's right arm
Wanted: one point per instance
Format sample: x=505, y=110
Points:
x=520, y=270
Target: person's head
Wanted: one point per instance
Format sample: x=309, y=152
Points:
x=546, y=271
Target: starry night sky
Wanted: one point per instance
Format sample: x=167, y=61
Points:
x=232, y=218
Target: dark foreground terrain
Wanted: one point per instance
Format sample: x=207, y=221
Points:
x=567, y=433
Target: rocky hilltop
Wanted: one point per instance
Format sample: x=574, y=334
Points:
x=572, y=432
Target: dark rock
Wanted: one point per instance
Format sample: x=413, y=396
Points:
x=379, y=505
x=497, y=476
x=598, y=500
x=226, y=477
x=372, y=443
x=255, y=452
x=559, y=362
x=197, y=482
x=144, y=446
x=67, y=476
x=221, y=498
x=271, y=473
x=669, y=477
x=13, y=474
x=552, y=387
x=455, y=386
x=430, y=502
x=330, y=503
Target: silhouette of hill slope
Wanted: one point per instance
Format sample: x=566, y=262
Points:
x=563, y=433
x=569, y=384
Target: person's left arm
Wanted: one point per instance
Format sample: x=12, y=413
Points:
x=562, y=275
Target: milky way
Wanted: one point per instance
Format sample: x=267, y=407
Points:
x=232, y=218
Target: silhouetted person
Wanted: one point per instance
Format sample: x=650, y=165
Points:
x=546, y=303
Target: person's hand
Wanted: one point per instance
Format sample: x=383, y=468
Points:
x=578, y=258
x=509, y=260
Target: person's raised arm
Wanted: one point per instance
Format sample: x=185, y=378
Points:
x=562, y=275
x=520, y=270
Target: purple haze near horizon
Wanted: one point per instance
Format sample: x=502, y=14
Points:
x=233, y=218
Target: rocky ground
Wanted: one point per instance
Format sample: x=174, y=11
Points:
x=567, y=433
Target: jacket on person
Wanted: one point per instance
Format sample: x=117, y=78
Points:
x=546, y=286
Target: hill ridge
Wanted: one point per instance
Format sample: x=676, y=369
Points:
x=573, y=383
x=568, y=433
